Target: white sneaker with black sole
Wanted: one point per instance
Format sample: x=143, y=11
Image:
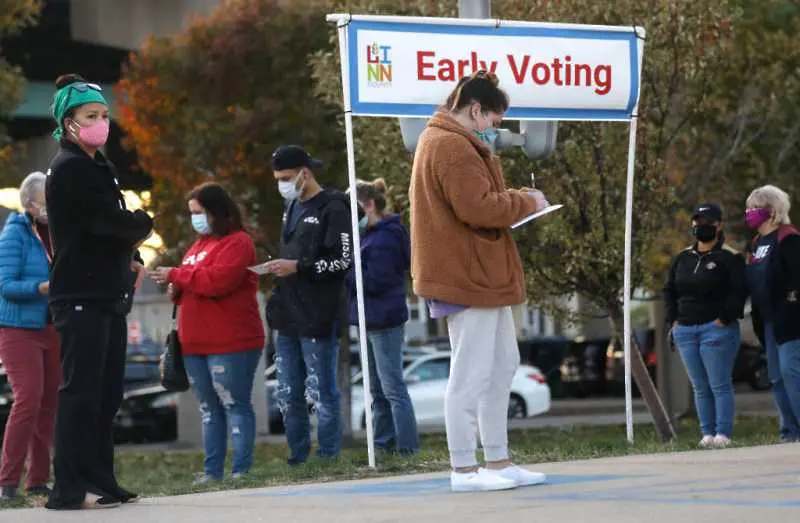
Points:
x=482, y=480
x=521, y=476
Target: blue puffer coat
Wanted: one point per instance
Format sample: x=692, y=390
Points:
x=23, y=266
x=385, y=260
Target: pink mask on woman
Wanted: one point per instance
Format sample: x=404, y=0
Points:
x=94, y=135
x=755, y=218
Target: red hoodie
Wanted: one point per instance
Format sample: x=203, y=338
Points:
x=218, y=310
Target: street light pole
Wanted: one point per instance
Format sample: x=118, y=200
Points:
x=474, y=8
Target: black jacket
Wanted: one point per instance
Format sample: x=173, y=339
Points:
x=93, y=234
x=703, y=287
x=306, y=303
x=783, y=281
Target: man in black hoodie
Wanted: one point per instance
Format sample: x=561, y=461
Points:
x=315, y=255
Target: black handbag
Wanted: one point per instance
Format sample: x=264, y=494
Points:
x=173, y=370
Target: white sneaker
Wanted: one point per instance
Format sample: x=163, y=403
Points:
x=721, y=441
x=706, y=442
x=481, y=481
x=522, y=477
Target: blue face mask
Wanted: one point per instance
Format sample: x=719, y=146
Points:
x=487, y=136
x=363, y=223
x=200, y=224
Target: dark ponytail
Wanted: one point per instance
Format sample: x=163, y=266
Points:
x=483, y=88
x=68, y=79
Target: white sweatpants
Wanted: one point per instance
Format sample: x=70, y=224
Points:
x=485, y=358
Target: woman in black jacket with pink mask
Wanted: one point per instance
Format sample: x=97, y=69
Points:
x=773, y=274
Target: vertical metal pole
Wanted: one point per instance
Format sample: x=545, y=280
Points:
x=351, y=172
x=627, y=284
x=474, y=8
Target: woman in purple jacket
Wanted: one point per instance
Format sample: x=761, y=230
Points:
x=385, y=259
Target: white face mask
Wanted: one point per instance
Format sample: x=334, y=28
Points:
x=289, y=189
x=42, y=213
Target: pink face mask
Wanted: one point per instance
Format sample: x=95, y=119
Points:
x=757, y=217
x=95, y=135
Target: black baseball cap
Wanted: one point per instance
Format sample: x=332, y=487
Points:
x=709, y=211
x=293, y=157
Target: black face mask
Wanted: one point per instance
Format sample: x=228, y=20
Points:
x=705, y=233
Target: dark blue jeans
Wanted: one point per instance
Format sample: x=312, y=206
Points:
x=783, y=365
x=709, y=354
x=307, y=373
x=223, y=384
x=393, y=414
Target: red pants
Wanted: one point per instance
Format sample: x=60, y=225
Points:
x=31, y=360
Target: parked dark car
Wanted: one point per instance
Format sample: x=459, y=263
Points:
x=148, y=413
x=6, y=399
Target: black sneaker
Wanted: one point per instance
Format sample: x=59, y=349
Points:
x=8, y=493
x=39, y=490
x=127, y=496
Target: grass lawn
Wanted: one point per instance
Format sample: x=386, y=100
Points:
x=157, y=473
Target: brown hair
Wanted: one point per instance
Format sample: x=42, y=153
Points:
x=481, y=87
x=225, y=214
x=375, y=191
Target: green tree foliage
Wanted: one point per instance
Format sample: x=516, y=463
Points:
x=15, y=15
x=711, y=67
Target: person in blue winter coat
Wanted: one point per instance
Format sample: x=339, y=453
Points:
x=385, y=260
x=28, y=344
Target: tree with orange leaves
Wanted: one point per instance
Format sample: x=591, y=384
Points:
x=214, y=101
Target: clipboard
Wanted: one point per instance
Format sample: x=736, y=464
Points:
x=535, y=215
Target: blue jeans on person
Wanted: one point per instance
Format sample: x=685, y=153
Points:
x=392, y=412
x=307, y=372
x=783, y=366
x=709, y=353
x=223, y=384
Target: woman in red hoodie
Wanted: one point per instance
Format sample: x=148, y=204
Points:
x=219, y=326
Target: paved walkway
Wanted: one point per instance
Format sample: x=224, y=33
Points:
x=734, y=486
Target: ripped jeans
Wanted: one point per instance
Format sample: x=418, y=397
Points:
x=307, y=375
x=223, y=384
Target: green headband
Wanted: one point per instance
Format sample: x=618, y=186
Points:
x=71, y=96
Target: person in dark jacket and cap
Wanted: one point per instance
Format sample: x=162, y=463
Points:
x=91, y=286
x=385, y=261
x=705, y=294
x=315, y=255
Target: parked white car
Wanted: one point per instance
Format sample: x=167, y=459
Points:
x=426, y=377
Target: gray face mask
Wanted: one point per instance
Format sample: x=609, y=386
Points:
x=289, y=189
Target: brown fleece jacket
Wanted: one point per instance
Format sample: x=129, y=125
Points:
x=461, y=250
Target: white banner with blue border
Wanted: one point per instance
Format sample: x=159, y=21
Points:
x=406, y=67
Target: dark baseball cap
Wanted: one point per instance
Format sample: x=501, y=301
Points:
x=293, y=157
x=709, y=211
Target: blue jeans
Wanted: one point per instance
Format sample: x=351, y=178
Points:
x=223, y=384
x=783, y=365
x=709, y=354
x=393, y=414
x=307, y=372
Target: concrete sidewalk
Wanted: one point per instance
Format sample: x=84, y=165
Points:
x=734, y=486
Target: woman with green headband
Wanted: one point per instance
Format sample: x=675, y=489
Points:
x=95, y=267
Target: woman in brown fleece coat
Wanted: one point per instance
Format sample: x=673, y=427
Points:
x=466, y=265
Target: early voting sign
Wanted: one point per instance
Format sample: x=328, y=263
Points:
x=406, y=67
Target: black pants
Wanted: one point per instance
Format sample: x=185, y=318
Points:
x=93, y=346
